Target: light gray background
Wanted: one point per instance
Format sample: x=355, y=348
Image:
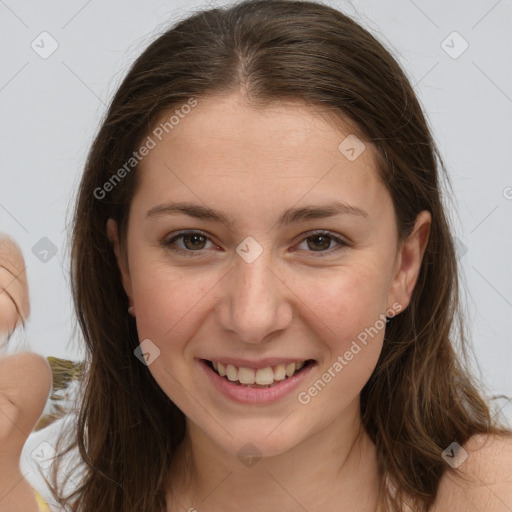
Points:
x=51, y=108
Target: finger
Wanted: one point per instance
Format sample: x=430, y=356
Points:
x=13, y=275
x=13, y=301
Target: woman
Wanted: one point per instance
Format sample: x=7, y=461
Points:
x=243, y=142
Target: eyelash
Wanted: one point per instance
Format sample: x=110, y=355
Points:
x=187, y=252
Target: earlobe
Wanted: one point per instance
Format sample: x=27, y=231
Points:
x=409, y=261
x=113, y=236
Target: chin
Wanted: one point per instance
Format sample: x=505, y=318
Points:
x=256, y=442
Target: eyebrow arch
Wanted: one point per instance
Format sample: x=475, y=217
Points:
x=290, y=216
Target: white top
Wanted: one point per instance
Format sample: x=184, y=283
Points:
x=36, y=459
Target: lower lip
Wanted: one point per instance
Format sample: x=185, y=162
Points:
x=245, y=395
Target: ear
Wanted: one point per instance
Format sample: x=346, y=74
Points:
x=408, y=262
x=113, y=236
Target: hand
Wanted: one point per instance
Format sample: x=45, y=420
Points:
x=25, y=383
x=14, y=298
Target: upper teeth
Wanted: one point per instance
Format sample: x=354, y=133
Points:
x=262, y=376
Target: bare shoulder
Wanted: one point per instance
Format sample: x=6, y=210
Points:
x=484, y=481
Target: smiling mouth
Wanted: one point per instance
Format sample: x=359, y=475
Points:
x=249, y=378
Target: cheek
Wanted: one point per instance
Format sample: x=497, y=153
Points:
x=344, y=300
x=347, y=316
x=348, y=319
x=167, y=305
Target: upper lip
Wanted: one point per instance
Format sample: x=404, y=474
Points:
x=260, y=363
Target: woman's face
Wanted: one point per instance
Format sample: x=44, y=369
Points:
x=262, y=287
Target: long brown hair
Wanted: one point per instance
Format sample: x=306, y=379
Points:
x=421, y=396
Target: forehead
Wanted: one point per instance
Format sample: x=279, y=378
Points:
x=226, y=147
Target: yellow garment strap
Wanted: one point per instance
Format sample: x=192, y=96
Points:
x=43, y=507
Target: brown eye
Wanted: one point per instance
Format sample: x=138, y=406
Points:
x=192, y=242
x=321, y=242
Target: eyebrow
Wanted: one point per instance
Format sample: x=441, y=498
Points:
x=290, y=216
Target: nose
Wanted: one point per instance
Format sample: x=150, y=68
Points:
x=255, y=303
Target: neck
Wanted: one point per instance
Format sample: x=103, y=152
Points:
x=334, y=468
